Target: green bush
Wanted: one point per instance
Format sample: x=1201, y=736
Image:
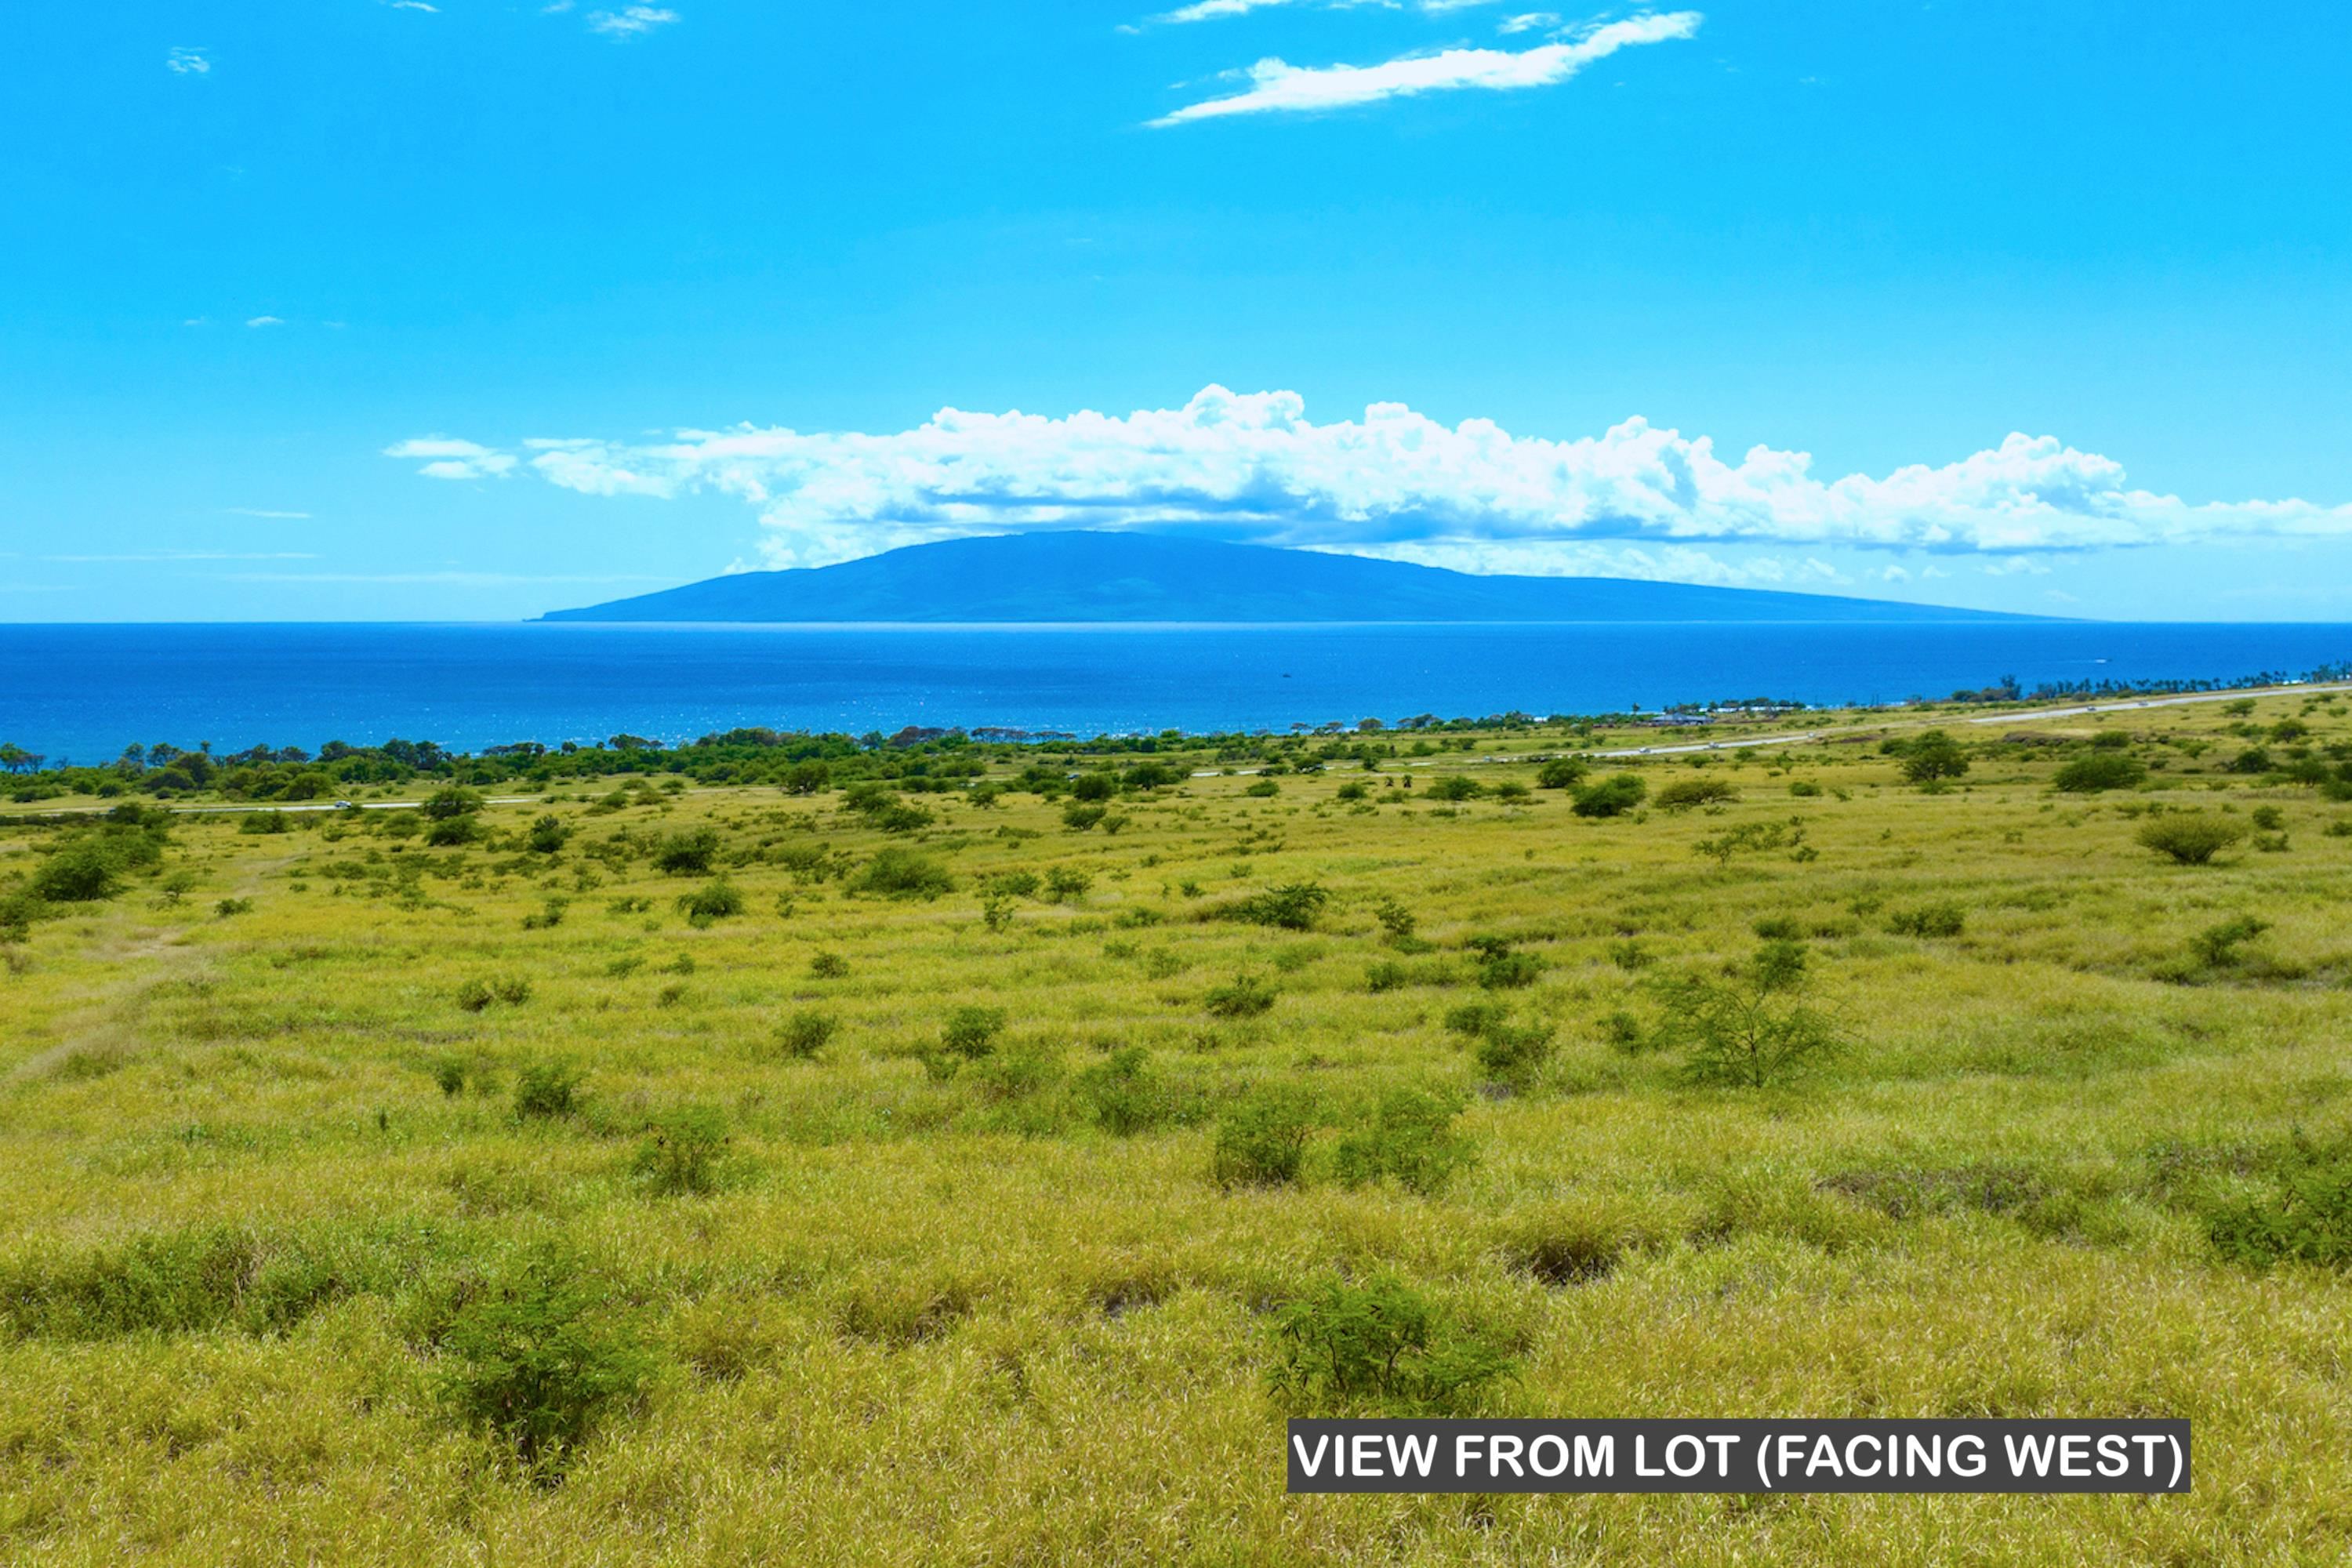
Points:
x=1748, y=1030
x=1931, y=756
x=2302, y=1214
x=548, y=835
x=1684, y=794
x=1454, y=788
x=1291, y=907
x=828, y=966
x=687, y=854
x=682, y=1149
x=1078, y=817
x=902, y=874
x=2100, y=771
x=1560, y=772
x=1411, y=1138
x=548, y=1091
x=1474, y=1018
x=1612, y=796
x=264, y=822
x=1383, y=1344
x=1064, y=884
x=1262, y=789
x=1123, y=1093
x=536, y=1361
x=2189, y=838
x=451, y=831
x=968, y=1035
x=450, y=802
x=1514, y=1054
x=806, y=1033
x=1928, y=920
x=1502, y=969
x=1262, y=1137
x=1246, y=997
x=716, y=901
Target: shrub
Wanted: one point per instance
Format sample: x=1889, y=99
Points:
x=86, y=869
x=1560, y=772
x=1928, y=920
x=1500, y=968
x=1454, y=788
x=547, y=1090
x=536, y=1361
x=682, y=1149
x=1262, y=1137
x=1931, y=756
x=2217, y=946
x=1411, y=1138
x=1078, y=819
x=828, y=966
x=1396, y=920
x=2100, y=771
x=449, y=1074
x=969, y=1036
x=1748, y=1031
x=1384, y=1342
x=1514, y=1054
x=264, y=822
x=1263, y=789
x=1246, y=997
x=1013, y=884
x=453, y=831
x=474, y=995
x=805, y=778
x=1760, y=837
x=687, y=854
x=1612, y=796
x=1474, y=1018
x=1123, y=1093
x=903, y=874
x=228, y=906
x=1152, y=775
x=1684, y=794
x=452, y=801
x=805, y=1033
x=2302, y=1216
x=1064, y=884
x=548, y=835
x=1291, y=907
x=2189, y=838
x=1387, y=975
x=715, y=900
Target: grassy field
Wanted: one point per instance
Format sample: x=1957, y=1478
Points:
x=987, y=1188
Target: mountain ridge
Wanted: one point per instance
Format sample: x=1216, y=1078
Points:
x=1090, y=577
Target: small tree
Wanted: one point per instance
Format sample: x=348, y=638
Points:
x=1612, y=796
x=1380, y=1342
x=1748, y=1030
x=1262, y=1137
x=1932, y=756
x=2191, y=838
x=536, y=1361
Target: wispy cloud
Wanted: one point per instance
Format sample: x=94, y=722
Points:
x=1528, y=22
x=445, y=579
x=630, y=21
x=187, y=62
x=1253, y=467
x=265, y=321
x=447, y=460
x=413, y=6
x=1217, y=10
x=1279, y=87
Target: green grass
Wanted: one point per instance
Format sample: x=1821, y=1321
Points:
x=870, y=1227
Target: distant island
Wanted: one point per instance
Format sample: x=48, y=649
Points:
x=1075, y=577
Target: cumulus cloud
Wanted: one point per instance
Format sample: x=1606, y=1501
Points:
x=630, y=20
x=447, y=460
x=187, y=62
x=1253, y=467
x=1278, y=87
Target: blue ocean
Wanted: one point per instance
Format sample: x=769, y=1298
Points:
x=83, y=692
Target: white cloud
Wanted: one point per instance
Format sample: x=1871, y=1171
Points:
x=448, y=460
x=1253, y=467
x=1216, y=10
x=1528, y=22
x=1276, y=86
x=187, y=62
x=630, y=20
x=264, y=321
x=415, y=6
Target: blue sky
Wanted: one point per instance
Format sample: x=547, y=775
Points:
x=346, y=309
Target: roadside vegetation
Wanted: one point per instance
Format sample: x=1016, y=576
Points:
x=938, y=1148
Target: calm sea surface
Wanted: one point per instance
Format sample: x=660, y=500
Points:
x=84, y=692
